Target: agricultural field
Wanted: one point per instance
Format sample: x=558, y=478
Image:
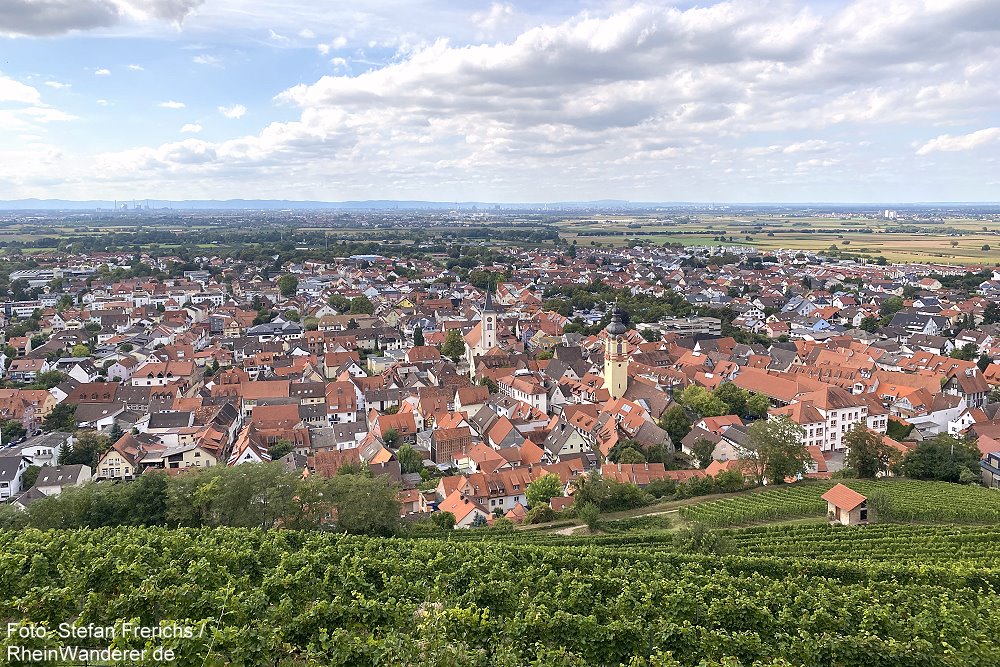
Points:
x=285, y=598
x=952, y=240
x=892, y=500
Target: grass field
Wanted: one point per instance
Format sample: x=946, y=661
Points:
x=954, y=240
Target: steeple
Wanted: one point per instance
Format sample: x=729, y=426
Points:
x=488, y=338
x=616, y=356
x=488, y=306
x=616, y=327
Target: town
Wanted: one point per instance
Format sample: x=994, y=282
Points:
x=490, y=381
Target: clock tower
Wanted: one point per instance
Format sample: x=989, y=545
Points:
x=616, y=357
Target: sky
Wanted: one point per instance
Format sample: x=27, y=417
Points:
x=503, y=101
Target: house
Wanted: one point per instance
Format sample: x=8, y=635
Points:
x=465, y=511
x=53, y=479
x=11, y=472
x=26, y=370
x=846, y=506
x=40, y=450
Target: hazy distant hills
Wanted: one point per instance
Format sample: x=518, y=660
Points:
x=284, y=204
x=393, y=204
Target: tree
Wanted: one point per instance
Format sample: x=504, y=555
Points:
x=29, y=477
x=941, y=458
x=985, y=247
x=609, y=495
x=966, y=353
x=776, y=450
x=390, y=438
x=758, y=405
x=734, y=397
x=630, y=456
x=80, y=350
x=543, y=489
x=288, y=285
x=701, y=402
x=867, y=452
x=279, y=449
x=869, y=324
x=115, y=432
x=991, y=315
x=445, y=520
x=676, y=423
x=410, y=460
x=891, y=306
x=703, y=449
x=984, y=362
x=11, y=430
x=362, y=305
x=87, y=449
x=340, y=303
x=366, y=505
x=418, y=337
x=454, y=345
x=62, y=418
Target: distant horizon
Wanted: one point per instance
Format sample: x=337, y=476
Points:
x=238, y=203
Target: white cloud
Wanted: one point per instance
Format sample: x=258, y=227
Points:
x=137, y=68
x=103, y=103
x=205, y=59
x=498, y=14
x=334, y=45
x=745, y=99
x=306, y=33
x=102, y=72
x=233, y=112
x=964, y=142
x=15, y=91
x=171, y=104
x=55, y=17
x=58, y=85
x=273, y=36
x=191, y=128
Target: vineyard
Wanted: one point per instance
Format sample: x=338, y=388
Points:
x=503, y=600
x=893, y=500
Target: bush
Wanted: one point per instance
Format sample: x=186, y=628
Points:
x=540, y=514
x=590, y=514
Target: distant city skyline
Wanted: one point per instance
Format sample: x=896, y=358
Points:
x=729, y=102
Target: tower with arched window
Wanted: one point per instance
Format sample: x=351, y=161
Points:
x=616, y=357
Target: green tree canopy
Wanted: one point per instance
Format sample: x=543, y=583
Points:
x=362, y=305
x=543, y=489
x=288, y=285
x=62, y=418
x=776, y=449
x=454, y=345
x=867, y=452
x=410, y=460
x=676, y=423
x=941, y=458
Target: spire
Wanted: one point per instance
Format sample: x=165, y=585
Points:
x=616, y=328
x=488, y=306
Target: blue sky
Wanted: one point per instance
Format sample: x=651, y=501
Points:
x=744, y=100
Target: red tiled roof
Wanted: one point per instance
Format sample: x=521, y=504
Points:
x=844, y=497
